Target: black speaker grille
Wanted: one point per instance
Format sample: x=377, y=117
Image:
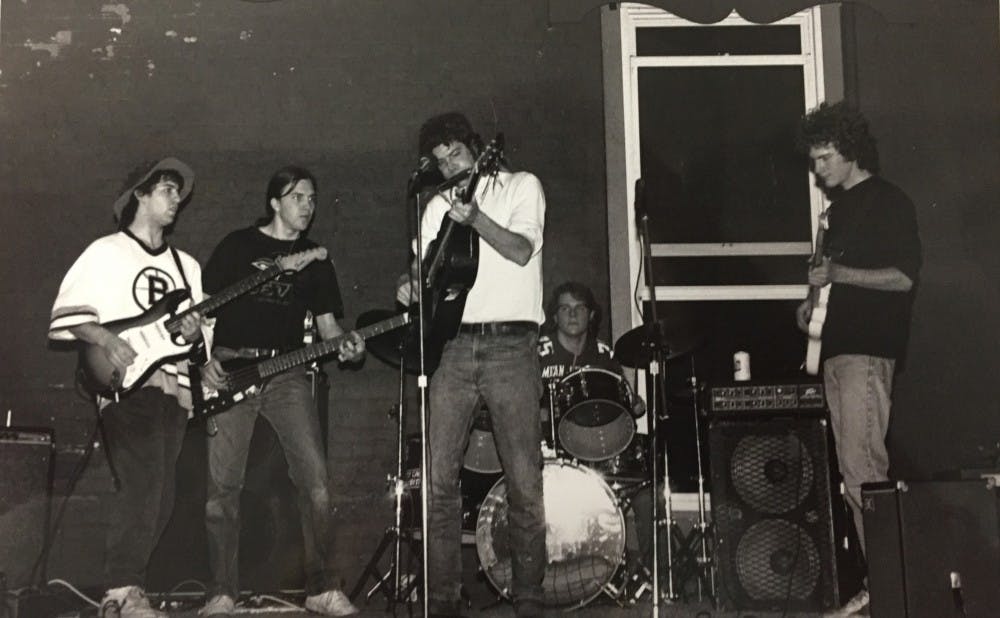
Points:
x=777, y=559
x=771, y=473
x=775, y=545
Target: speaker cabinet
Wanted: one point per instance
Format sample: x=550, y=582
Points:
x=25, y=485
x=934, y=548
x=780, y=536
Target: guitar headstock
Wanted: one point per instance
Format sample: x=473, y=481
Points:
x=298, y=261
x=490, y=158
x=487, y=164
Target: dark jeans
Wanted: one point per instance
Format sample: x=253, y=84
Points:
x=503, y=372
x=144, y=432
x=287, y=404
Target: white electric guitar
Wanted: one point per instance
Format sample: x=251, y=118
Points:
x=818, y=297
x=155, y=334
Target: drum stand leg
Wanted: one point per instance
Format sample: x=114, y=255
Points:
x=395, y=587
x=695, y=547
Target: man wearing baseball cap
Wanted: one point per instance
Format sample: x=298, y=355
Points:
x=120, y=276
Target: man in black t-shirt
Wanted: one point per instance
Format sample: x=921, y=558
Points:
x=269, y=321
x=872, y=258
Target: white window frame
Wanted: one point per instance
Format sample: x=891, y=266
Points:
x=623, y=136
x=819, y=29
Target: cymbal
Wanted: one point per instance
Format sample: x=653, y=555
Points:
x=635, y=348
x=388, y=346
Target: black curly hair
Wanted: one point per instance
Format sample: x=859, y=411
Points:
x=844, y=128
x=445, y=129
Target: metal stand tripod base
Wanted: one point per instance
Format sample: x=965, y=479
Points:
x=387, y=581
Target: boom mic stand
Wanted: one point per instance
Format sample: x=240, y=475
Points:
x=654, y=344
x=422, y=386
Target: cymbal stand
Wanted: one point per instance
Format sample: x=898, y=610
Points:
x=701, y=532
x=391, y=581
x=654, y=343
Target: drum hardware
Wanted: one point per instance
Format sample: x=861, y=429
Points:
x=596, y=421
x=648, y=347
x=702, y=532
x=395, y=586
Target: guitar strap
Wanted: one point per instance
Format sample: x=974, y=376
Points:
x=180, y=268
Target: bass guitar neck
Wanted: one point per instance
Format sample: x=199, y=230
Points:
x=248, y=381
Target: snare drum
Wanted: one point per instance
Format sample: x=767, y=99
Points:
x=595, y=422
x=584, y=535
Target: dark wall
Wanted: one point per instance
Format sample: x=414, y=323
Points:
x=238, y=89
x=930, y=87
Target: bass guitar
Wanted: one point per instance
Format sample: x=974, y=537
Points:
x=249, y=380
x=155, y=334
x=818, y=297
x=452, y=262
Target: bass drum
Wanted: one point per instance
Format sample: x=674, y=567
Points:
x=584, y=535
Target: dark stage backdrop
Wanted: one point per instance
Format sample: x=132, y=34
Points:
x=237, y=89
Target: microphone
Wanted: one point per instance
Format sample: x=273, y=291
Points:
x=423, y=167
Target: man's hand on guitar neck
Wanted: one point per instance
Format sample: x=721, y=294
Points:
x=190, y=327
x=822, y=273
x=466, y=214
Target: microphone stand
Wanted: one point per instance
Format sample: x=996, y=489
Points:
x=654, y=343
x=422, y=386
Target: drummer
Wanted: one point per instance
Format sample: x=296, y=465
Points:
x=572, y=319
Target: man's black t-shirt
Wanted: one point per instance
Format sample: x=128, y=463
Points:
x=872, y=225
x=272, y=315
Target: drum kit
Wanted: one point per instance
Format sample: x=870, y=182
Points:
x=595, y=463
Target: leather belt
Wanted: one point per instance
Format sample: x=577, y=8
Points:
x=498, y=328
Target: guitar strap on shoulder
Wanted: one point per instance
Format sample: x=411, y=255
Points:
x=180, y=268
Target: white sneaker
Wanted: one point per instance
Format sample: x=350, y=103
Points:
x=219, y=605
x=128, y=602
x=331, y=603
x=853, y=606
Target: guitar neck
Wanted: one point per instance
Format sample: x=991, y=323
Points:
x=274, y=366
x=228, y=294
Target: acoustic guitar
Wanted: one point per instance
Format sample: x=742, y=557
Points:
x=452, y=262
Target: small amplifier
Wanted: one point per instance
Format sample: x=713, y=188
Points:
x=25, y=483
x=784, y=395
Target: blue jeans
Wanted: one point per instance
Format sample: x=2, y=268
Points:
x=501, y=371
x=287, y=404
x=858, y=390
x=144, y=432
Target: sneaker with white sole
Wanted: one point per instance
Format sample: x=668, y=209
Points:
x=219, y=605
x=331, y=603
x=854, y=606
x=128, y=602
